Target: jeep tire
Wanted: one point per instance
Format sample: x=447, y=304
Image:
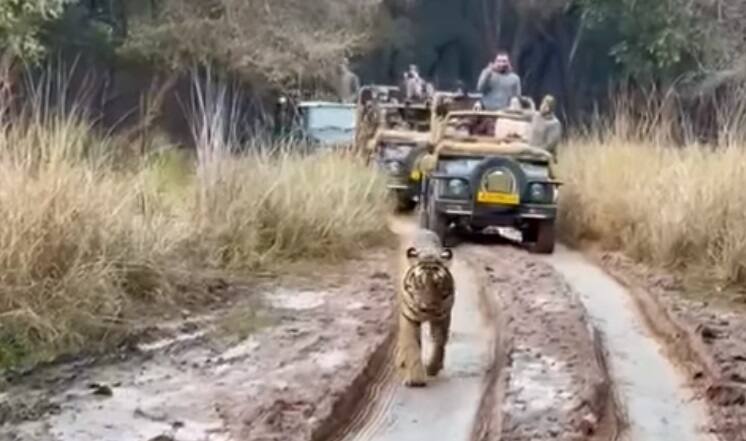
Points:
x=436, y=222
x=403, y=202
x=539, y=236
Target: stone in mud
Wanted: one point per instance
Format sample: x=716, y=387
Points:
x=727, y=394
x=708, y=333
x=101, y=390
x=588, y=424
x=380, y=275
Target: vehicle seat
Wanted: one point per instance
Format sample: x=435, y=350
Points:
x=507, y=128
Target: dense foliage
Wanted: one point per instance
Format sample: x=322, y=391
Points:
x=299, y=43
x=654, y=38
x=21, y=22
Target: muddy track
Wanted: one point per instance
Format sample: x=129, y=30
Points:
x=541, y=348
x=570, y=356
x=447, y=407
x=653, y=389
x=712, y=371
x=523, y=363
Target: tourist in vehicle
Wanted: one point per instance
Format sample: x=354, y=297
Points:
x=498, y=83
x=461, y=99
x=415, y=87
x=349, y=83
x=546, y=129
x=461, y=91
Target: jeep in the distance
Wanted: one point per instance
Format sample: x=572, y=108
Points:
x=320, y=124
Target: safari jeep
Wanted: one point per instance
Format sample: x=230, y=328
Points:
x=398, y=144
x=483, y=173
x=403, y=134
x=319, y=123
x=367, y=112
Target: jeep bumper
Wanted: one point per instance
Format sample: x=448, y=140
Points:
x=482, y=215
x=403, y=186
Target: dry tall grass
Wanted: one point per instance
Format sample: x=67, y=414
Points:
x=680, y=207
x=85, y=242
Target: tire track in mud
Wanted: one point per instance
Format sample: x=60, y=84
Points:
x=537, y=368
x=554, y=383
x=653, y=391
x=448, y=406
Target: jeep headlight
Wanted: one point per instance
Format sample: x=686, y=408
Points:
x=456, y=189
x=541, y=193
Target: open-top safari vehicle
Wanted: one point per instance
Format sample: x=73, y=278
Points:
x=318, y=123
x=401, y=137
x=398, y=143
x=393, y=133
x=484, y=173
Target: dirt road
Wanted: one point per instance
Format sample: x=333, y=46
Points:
x=578, y=361
x=447, y=408
x=658, y=403
x=541, y=348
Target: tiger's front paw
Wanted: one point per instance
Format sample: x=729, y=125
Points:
x=435, y=363
x=415, y=377
x=434, y=368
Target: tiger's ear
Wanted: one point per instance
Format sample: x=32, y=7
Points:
x=412, y=253
x=446, y=254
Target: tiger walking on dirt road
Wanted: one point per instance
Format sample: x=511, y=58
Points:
x=425, y=294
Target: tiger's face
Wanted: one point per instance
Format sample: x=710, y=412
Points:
x=429, y=279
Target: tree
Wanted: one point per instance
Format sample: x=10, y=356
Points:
x=656, y=39
x=282, y=42
x=21, y=24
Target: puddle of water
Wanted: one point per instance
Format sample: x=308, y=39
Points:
x=329, y=361
x=296, y=300
x=658, y=402
x=137, y=412
x=163, y=343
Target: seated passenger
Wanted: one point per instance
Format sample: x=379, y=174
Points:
x=546, y=129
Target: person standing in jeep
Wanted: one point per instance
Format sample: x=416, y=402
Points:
x=498, y=83
x=349, y=83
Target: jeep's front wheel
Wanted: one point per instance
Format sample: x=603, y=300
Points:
x=539, y=236
x=404, y=203
x=436, y=222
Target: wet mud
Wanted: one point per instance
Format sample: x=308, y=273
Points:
x=701, y=330
x=541, y=348
x=653, y=391
x=554, y=384
x=284, y=381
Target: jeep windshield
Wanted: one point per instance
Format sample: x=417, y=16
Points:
x=403, y=118
x=458, y=166
x=466, y=166
x=395, y=151
x=330, y=124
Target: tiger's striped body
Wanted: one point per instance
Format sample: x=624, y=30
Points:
x=426, y=295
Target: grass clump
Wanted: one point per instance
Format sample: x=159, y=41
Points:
x=87, y=244
x=678, y=207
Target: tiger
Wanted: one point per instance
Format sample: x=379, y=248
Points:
x=426, y=293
